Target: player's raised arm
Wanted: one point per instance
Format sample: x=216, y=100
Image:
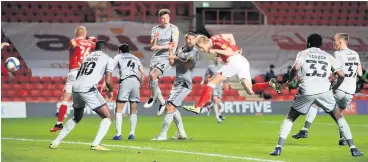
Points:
x=297, y=65
x=154, y=36
x=172, y=58
x=337, y=70
x=229, y=37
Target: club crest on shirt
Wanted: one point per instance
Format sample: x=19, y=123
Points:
x=224, y=46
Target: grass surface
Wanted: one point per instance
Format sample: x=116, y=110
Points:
x=239, y=138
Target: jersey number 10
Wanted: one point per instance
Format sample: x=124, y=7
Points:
x=86, y=68
x=316, y=71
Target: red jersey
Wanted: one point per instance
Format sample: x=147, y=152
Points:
x=219, y=42
x=78, y=50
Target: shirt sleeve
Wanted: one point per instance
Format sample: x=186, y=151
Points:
x=175, y=34
x=335, y=64
x=299, y=58
x=111, y=64
x=153, y=32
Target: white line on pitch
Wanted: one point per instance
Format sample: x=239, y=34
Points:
x=152, y=149
x=332, y=123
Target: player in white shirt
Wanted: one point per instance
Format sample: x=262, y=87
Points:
x=352, y=67
x=85, y=93
x=316, y=66
x=131, y=78
x=161, y=36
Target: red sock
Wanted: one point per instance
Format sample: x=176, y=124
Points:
x=259, y=87
x=205, y=97
x=62, y=112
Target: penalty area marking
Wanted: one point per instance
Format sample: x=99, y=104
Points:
x=152, y=149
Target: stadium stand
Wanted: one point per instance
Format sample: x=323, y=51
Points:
x=331, y=13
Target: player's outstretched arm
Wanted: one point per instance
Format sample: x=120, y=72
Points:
x=340, y=78
x=108, y=81
x=4, y=44
x=143, y=74
x=294, y=72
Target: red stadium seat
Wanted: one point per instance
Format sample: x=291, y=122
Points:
x=12, y=93
x=46, y=80
x=47, y=93
x=25, y=79
x=28, y=86
x=35, y=93
x=57, y=80
x=49, y=86
x=35, y=80
x=259, y=79
x=15, y=86
x=57, y=93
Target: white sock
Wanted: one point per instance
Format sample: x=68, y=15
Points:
x=217, y=113
x=345, y=129
x=310, y=117
x=69, y=126
x=166, y=125
x=285, y=129
x=133, y=123
x=118, y=123
x=102, y=130
x=160, y=98
x=179, y=123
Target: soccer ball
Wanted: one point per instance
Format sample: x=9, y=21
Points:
x=12, y=64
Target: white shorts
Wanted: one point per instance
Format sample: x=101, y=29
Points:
x=72, y=76
x=93, y=99
x=129, y=90
x=237, y=65
x=178, y=93
x=302, y=103
x=343, y=99
x=161, y=63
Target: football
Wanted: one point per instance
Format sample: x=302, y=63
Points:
x=12, y=64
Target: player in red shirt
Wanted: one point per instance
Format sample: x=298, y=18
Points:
x=79, y=48
x=224, y=46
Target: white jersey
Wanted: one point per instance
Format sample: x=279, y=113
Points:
x=92, y=70
x=316, y=67
x=349, y=61
x=166, y=35
x=129, y=65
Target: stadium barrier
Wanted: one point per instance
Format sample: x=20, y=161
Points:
x=23, y=110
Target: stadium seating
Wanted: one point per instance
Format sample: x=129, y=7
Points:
x=52, y=11
x=331, y=13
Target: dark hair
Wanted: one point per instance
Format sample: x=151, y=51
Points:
x=100, y=45
x=163, y=12
x=272, y=66
x=190, y=34
x=314, y=40
x=124, y=48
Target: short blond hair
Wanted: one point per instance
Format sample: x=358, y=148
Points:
x=80, y=31
x=201, y=39
x=163, y=12
x=343, y=36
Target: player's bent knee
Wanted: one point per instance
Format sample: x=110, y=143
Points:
x=78, y=114
x=155, y=73
x=103, y=111
x=170, y=107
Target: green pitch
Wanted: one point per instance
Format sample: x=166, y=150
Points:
x=239, y=138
